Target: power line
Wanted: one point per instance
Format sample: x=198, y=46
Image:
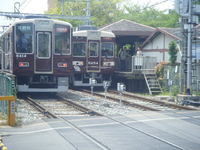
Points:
x=26, y=3
x=158, y=3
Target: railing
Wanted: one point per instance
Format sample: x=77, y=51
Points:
x=7, y=98
x=138, y=63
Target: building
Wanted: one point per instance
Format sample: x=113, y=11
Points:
x=129, y=32
x=157, y=44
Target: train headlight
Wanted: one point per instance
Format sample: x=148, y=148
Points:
x=109, y=64
x=23, y=64
x=63, y=65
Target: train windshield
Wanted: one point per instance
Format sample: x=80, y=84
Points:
x=62, y=39
x=107, y=49
x=79, y=49
x=93, y=49
x=24, y=38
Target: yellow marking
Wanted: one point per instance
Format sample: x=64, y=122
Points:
x=11, y=108
x=7, y=98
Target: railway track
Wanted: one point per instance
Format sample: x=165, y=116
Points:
x=87, y=135
x=125, y=102
x=44, y=107
x=78, y=106
x=161, y=103
x=142, y=103
x=40, y=108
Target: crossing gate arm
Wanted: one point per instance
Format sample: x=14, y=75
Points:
x=11, y=108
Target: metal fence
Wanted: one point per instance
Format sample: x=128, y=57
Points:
x=137, y=63
x=7, y=88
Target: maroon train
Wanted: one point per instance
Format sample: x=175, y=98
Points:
x=38, y=52
x=93, y=57
x=43, y=57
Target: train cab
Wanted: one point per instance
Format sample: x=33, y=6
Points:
x=93, y=55
x=41, y=54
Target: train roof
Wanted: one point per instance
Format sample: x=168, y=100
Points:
x=44, y=19
x=84, y=33
x=34, y=20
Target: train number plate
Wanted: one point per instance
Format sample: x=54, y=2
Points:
x=21, y=55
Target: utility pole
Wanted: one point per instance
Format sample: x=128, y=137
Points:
x=62, y=7
x=189, y=11
x=88, y=12
x=189, y=48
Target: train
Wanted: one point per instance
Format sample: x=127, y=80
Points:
x=38, y=52
x=46, y=55
x=93, y=57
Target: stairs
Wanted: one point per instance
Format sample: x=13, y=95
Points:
x=152, y=83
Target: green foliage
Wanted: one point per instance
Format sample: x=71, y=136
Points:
x=151, y=16
x=160, y=70
x=174, y=90
x=105, y=12
x=172, y=52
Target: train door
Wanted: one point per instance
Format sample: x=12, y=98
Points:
x=93, y=58
x=43, y=59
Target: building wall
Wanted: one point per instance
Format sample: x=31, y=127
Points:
x=158, y=47
x=158, y=55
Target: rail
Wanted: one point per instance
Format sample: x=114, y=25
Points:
x=40, y=108
x=157, y=102
x=132, y=104
x=78, y=107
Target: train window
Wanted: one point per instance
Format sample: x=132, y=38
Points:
x=107, y=49
x=24, y=37
x=62, y=39
x=93, y=49
x=43, y=44
x=79, y=49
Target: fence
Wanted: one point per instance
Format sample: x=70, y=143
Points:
x=7, y=98
x=138, y=63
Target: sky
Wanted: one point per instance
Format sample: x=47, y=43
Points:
x=164, y=4
x=27, y=6
x=39, y=6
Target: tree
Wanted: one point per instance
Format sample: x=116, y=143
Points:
x=151, y=17
x=172, y=52
x=102, y=11
x=105, y=12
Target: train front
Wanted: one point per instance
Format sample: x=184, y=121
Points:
x=93, y=57
x=42, y=55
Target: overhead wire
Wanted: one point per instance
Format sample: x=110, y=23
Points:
x=25, y=3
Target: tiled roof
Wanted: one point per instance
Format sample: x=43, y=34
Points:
x=126, y=27
x=175, y=33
